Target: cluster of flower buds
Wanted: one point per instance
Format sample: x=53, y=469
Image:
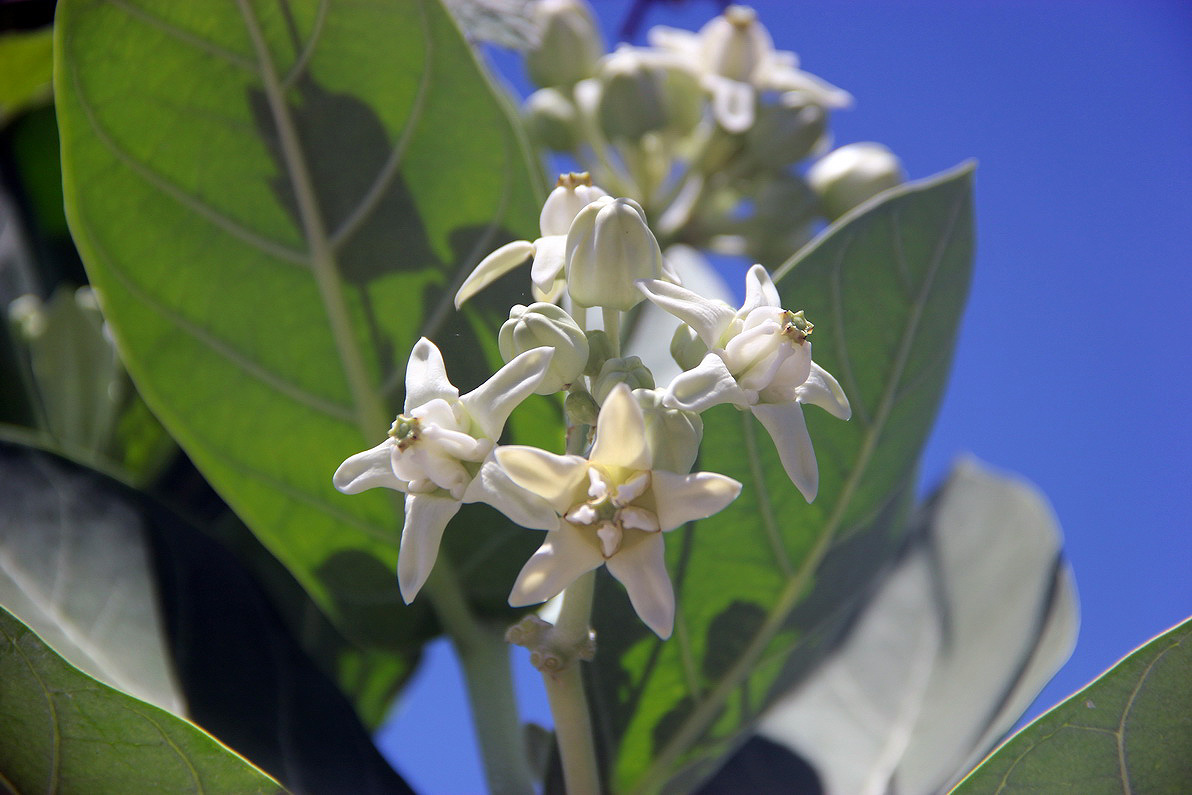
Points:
x=625, y=478
x=707, y=130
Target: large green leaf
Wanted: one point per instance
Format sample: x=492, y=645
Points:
x=25, y=62
x=1128, y=731
x=62, y=731
x=763, y=584
x=274, y=200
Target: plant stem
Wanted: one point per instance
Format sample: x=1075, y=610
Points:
x=612, y=327
x=484, y=657
x=565, y=691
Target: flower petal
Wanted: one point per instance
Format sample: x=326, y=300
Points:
x=426, y=376
x=549, y=261
x=564, y=555
x=708, y=384
x=759, y=290
x=426, y=518
x=620, y=432
x=561, y=480
x=684, y=498
x=732, y=102
x=709, y=318
x=493, y=267
x=785, y=424
x=491, y=403
x=368, y=470
x=492, y=486
x=640, y=565
x=822, y=390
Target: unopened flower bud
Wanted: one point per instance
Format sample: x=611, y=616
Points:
x=853, y=174
x=546, y=325
x=610, y=247
x=672, y=435
x=628, y=370
x=580, y=408
x=552, y=120
x=569, y=44
x=643, y=92
x=686, y=348
x=735, y=43
x=600, y=350
x=787, y=131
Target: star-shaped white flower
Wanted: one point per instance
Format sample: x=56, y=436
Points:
x=613, y=509
x=759, y=358
x=572, y=193
x=438, y=453
x=735, y=59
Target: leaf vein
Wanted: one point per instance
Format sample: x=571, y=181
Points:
x=298, y=68
x=196, y=41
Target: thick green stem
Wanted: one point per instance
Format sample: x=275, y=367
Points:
x=612, y=327
x=565, y=690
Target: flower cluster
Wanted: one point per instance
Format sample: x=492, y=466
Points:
x=625, y=479
x=704, y=130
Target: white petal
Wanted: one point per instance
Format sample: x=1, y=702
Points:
x=426, y=376
x=368, y=470
x=564, y=555
x=709, y=319
x=552, y=295
x=493, y=267
x=549, y=261
x=684, y=498
x=641, y=568
x=621, y=432
x=732, y=103
x=708, y=384
x=783, y=77
x=426, y=518
x=759, y=290
x=491, y=403
x=561, y=480
x=676, y=40
x=785, y=424
x=492, y=486
x=822, y=390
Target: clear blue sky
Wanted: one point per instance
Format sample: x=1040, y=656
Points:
x=1072, y=368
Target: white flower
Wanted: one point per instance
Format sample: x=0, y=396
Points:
x=438, y=453
x=759, y=358
x=572, y=193
x=735, y=58
x=613, y=509
x=608, y=248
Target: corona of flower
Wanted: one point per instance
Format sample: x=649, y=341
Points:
x=613, y=508
x=759, y=358
x=437, y=452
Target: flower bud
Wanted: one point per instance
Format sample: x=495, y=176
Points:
x=546, y=325
x=686, y=348
x=853, y=174
x=628, y=370
x=600, y=350
x=610, y=247
x=552, y=120
x=572, y=193
x=735, y=43
x=569, y=44
x=787, y=131
x=643, y=92
x=672, y=435
x=580, y=408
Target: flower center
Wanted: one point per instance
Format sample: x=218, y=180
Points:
x=573, y=180
x=610, y=510
x=795, y=327
x=405, y=430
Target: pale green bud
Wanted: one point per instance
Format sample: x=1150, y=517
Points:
x=546, y=325
x=686, y=348
x=600, y=350
x=552, y=120
x=609, y=247
x=735, y=44
x=853, y=174
x=580, y=408
x=672, y=435
x=569, y=44
x=643, y=92
x=787, y=131
x=628, y=370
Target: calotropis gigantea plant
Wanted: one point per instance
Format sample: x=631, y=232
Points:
x=611, y=491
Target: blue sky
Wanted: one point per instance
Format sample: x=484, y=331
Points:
x=1071, y=369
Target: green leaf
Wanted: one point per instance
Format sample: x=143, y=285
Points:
x=1128, y=731
x=27, y=65
x=62, y=731
x=764, y=584
x=274, y=201
x=976, y=616
x=75, y=566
